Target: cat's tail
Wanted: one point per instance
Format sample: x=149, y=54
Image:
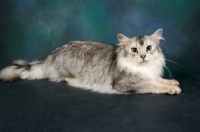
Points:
x=20, y=70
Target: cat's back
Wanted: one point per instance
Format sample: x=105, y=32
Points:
x=89, y=48
x=87, y=58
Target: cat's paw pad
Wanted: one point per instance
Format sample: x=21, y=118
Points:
x=175, y=90
x=174, y=83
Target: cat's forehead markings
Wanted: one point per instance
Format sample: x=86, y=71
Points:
x=140, y=40
x=132, y=40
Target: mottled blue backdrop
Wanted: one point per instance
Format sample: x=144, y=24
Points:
x=31, y=29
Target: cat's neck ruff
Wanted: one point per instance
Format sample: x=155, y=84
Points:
x=149, y=70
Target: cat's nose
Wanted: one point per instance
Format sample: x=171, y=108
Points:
x=143, y=56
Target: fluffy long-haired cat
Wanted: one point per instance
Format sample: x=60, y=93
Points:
x=136, y=65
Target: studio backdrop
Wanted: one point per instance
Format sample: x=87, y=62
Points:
x=31, y=29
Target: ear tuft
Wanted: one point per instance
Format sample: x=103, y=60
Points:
x=157, y=35
x=159, y=32
x=122, y=38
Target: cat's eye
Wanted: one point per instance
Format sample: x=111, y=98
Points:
x=134, y=50
x=148, y=48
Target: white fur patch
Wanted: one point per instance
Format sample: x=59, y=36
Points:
x=150, y=70
x=105, y=88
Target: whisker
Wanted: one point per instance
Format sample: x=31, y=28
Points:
x=169, y=72
x=174, y=63
x=167, y=52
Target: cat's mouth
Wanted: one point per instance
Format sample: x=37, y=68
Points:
x=143, y=61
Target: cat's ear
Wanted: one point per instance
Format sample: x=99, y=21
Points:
x=122, y=39
x=157, y=35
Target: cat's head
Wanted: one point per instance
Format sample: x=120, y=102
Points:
x=141, y=49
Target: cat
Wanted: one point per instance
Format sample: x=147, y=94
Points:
x=135, y=65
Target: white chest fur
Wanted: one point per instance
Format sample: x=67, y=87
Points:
x=148, y=70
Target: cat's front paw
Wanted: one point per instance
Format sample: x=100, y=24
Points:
x=175, y=90
x=174, y=82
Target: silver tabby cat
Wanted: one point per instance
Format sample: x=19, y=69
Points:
x=136, y=65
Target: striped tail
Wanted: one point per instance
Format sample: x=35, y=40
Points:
x=20, y=70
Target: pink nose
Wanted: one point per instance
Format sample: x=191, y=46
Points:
x=143, y=56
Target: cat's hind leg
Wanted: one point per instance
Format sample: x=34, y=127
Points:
x=73, y=82
x=68, y=79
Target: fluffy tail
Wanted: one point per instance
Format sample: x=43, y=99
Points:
x=20, y=70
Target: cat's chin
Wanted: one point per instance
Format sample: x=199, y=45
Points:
x=143, y=62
